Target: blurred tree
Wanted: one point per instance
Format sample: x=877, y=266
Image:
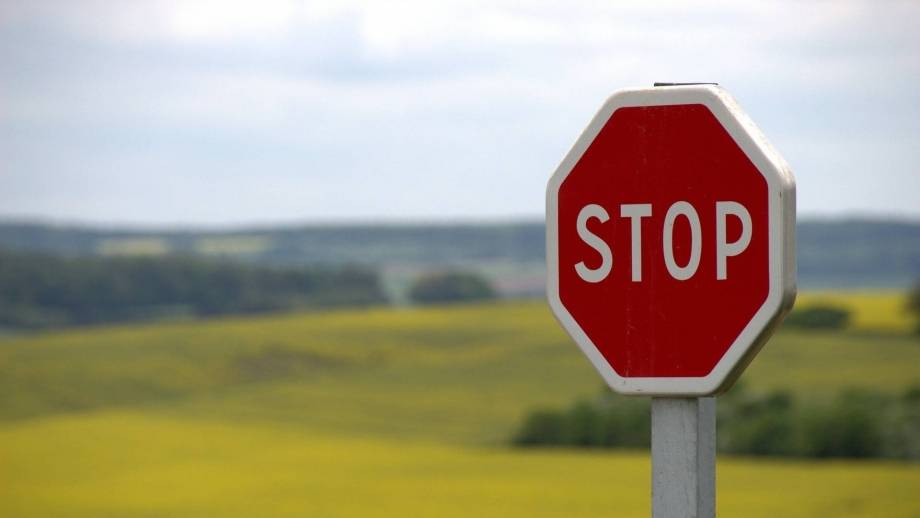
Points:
x=819, y=317
x=753, y=424
x=447, y=287
x=38, y=291
x=857, y=424
x=541, y=428
x=913, y=304
x=850, y=427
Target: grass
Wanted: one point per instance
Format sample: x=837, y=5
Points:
x=462, y=374
x=387, y=412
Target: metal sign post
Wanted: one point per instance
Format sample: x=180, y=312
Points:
x=684, y=457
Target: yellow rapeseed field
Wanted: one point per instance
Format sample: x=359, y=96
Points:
x=144, y=464
x=390, y=412
x=880, y=311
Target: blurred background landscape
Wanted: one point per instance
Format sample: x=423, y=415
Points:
x=287, y=258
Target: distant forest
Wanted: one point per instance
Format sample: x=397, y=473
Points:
x=38, y=290
x=855, y=253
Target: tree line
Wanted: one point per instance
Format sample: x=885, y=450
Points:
x=831, y=254
x=855, y=424
x=42, y=291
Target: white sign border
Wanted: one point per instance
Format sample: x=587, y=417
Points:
x=781, y=207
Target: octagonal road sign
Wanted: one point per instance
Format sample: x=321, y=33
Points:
x=670, y=240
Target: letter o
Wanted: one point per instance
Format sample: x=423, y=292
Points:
x=682, y=208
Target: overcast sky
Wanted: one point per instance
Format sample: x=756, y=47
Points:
x=232, y=112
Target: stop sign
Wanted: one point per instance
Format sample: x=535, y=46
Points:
x=670, y=240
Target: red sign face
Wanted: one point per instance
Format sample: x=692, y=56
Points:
x=669, y=230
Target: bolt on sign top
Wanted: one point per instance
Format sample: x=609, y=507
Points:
x=670, y=230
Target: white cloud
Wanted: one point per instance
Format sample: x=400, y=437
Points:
x=418, y=101
x=230, y=19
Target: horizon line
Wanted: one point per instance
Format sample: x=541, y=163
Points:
x=223, y=227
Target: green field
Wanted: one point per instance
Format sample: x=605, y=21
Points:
x=389, y=412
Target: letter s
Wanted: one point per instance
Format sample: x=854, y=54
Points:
x=600, y=273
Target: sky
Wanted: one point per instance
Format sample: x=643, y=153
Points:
x=273, y=111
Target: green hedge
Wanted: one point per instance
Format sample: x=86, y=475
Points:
x=819, y=317
x=449, y=287
x=913, y=304
x=855, y=424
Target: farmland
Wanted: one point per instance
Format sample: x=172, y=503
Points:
x=135, y=464
x=387, y=412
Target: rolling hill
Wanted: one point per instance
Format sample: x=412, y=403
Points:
x=388, y=412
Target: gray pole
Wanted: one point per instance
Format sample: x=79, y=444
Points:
x=684, y=457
